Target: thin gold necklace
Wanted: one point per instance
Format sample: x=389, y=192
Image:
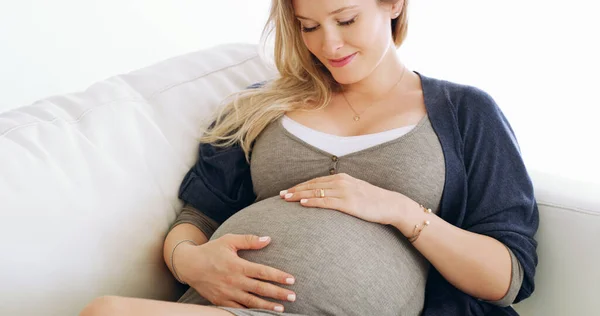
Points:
x=356, y=117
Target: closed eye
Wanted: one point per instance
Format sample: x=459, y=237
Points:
x=347, y=22
x=309, y=29
x=341, y=23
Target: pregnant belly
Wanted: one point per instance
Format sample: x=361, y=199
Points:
x=343, y=265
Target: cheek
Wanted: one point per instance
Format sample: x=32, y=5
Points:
x=310, y=41
x=382, y=35
x=368, y=38
x=368, y=35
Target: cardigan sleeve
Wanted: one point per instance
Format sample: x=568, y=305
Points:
x=219, y=184
x=500, y=197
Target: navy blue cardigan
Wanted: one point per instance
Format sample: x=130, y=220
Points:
x=487, y=189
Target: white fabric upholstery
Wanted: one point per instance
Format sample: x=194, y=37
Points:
x=89, y=181
x=568, y=273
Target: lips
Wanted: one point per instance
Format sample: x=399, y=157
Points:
x=342, y=61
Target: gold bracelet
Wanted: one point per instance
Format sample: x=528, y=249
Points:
x=416, y=233
x=173, y=264
x=419, y=228
x=426, y=210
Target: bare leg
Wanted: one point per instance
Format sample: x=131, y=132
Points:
x=117, y=306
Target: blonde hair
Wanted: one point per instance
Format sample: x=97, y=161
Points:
x=303, y=82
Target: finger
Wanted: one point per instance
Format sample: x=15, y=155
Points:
x=231, y=304
x=267, y=290
x=308, y=184
x=252, y=301
x=326, y=202
x=263, y=272
x=317, y=180
x=336, y=184
x=328, y=178
x=312, y=194
x=238, y=242
x=312, y=186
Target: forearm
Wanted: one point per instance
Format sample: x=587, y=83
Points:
x=178, y=233
x=476, y=264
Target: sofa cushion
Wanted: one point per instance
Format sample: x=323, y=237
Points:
x=89, y=180
x=567, y=277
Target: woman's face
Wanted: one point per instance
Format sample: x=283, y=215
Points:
x=350, y=37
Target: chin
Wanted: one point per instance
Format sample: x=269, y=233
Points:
x=349, y=75
x=346, y=78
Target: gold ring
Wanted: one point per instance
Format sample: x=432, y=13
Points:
x=322, y=193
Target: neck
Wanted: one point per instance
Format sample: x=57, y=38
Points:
x=384, y=78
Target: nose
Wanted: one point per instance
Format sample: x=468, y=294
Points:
x=332, y=42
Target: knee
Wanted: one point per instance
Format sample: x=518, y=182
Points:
x=100, y=306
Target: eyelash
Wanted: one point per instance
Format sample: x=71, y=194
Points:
x=341, y=23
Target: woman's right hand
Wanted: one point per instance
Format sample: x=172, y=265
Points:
x=218, y=274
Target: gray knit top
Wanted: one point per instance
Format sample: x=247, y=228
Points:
x=343, y=265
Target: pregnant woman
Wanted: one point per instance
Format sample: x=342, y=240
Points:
x=350, y=185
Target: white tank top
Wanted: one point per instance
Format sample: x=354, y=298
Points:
x=341, y=145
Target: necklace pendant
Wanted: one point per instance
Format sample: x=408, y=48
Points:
x=357, y=118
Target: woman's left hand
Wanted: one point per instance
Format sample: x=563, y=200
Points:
x=347, y=194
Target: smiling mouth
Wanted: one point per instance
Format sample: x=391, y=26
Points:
x=341, y=59
x=342, y=62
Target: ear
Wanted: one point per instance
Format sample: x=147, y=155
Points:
x=396, y=9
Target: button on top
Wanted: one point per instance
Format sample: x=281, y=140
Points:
x=334, y=158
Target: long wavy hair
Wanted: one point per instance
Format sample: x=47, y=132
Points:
x=303, y=82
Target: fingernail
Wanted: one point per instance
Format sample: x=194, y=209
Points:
x=263, y=238
x=290, y=280
x=289, y=195
x=282, y=192
x=291, y=297
x=303, y=201
x=279, y=309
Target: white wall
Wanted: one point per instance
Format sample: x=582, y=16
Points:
x=538, y=59
x=59, y=46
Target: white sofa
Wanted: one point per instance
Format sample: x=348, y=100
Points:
x=89, y=182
